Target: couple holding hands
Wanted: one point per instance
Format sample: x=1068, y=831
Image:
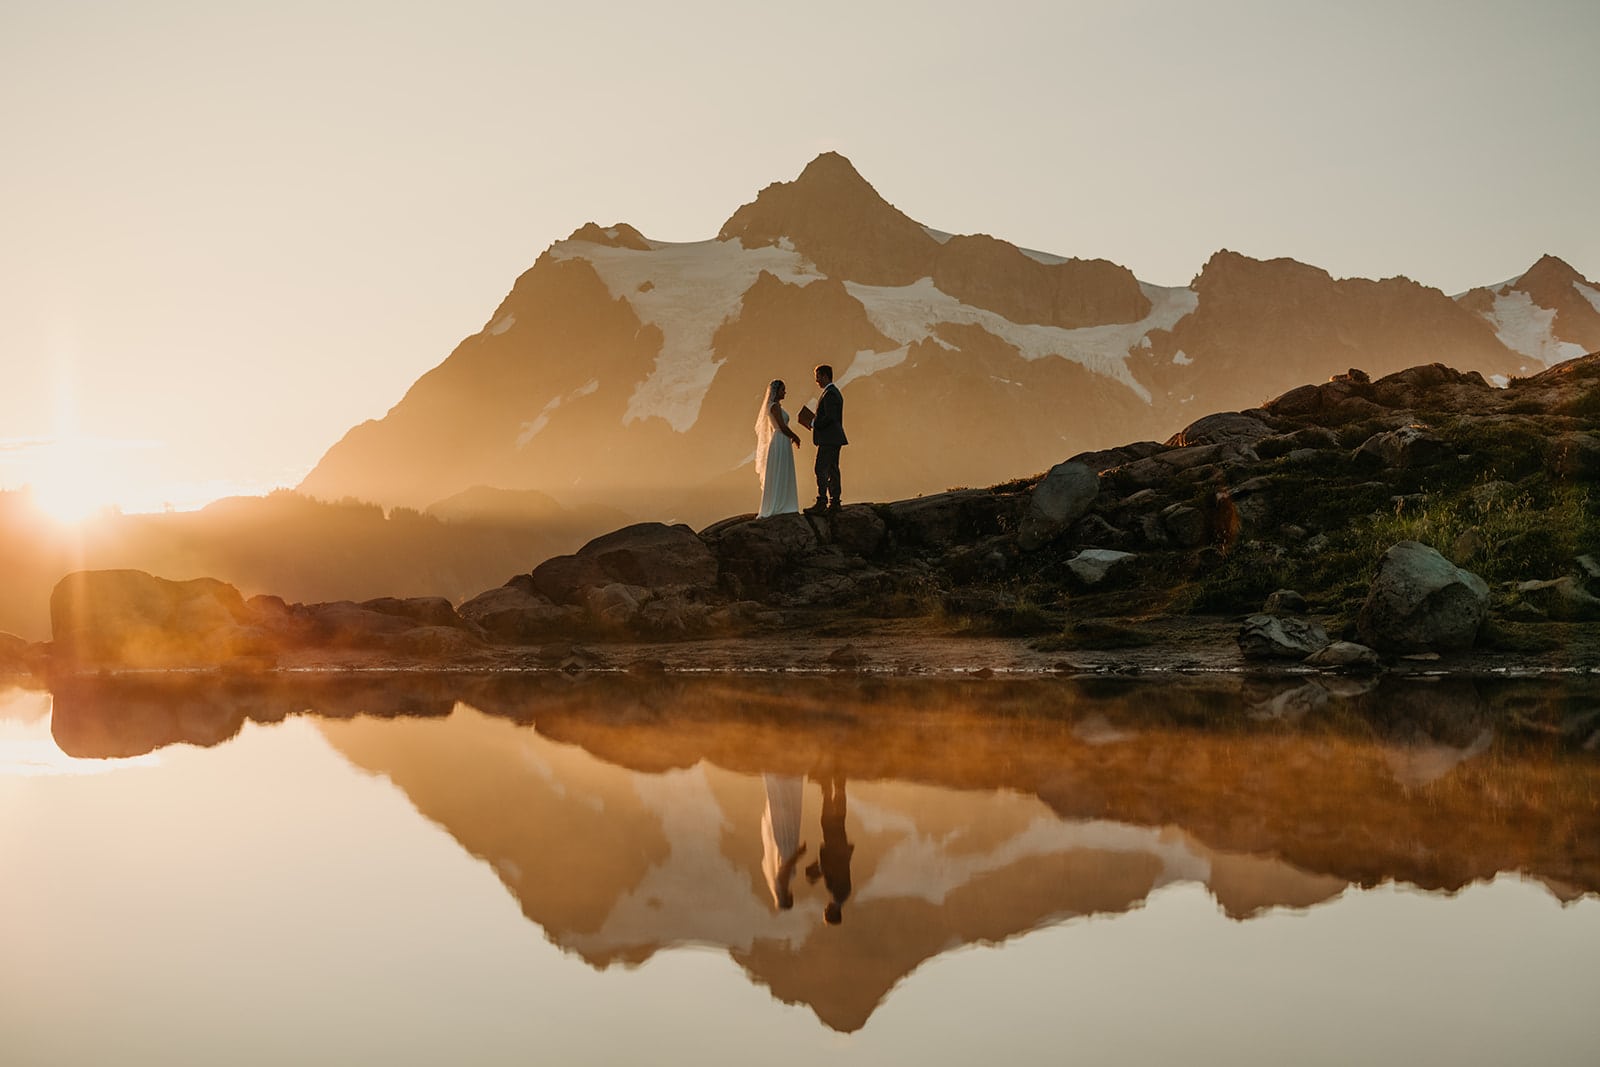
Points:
x=775, y=445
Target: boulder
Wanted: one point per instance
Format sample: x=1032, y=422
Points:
x=1063, y=496
x=1222, y=428
x=1108, y=458
x=1264, y=636
x=654, y=555
x=1184, y=465
x=616, y=603
x=1345, y=656
x=1420, y=602
x=1099, y=566
x=757, y=556
x=1186, y=526
x=1561, y=598
x=515, y=615
x=1408, y=446
x=127, y=618
x=671, y=616
x=566, y=579
x=856, y=529
x=648, y=554
x=1285, y=602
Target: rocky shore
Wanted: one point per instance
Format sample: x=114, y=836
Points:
x=1423, y=521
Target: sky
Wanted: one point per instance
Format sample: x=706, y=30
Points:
x=231, y=231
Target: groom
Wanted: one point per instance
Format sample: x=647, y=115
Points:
x=827, y=433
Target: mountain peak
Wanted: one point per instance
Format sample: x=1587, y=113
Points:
x=835, y=218
x=1549, y=270
x=833, y=169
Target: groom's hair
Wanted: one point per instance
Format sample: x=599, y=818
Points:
x=825, y=370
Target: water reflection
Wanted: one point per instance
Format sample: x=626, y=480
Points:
x=832, y=838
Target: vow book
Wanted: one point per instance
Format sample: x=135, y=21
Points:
x=807, y=416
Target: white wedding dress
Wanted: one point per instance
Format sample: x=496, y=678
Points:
x=775, y=468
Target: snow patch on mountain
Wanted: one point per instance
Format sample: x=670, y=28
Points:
x=912, y=313
x=531, y=428
x=868, y=363
x=693, y=289
x=1525, y=327
x=1590, y=294
x=920, y=866
x=505, y=323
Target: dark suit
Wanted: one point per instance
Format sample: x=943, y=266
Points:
x=827, y=433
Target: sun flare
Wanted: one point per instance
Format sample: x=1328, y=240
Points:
x=70, y=483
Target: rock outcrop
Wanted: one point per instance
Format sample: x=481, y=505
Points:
x=1274, y=504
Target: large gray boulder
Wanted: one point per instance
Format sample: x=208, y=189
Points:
x=1421, y=602
x=127, y=618
x=1099, y=566
x=1063, y=496
x=1265, y=636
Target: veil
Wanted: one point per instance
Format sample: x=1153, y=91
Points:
x=764, y=431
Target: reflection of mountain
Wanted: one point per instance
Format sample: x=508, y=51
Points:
x=617, y=865
x=629, y=821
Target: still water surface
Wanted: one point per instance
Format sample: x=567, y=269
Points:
x=491, y=870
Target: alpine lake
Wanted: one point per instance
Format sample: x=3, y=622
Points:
x=772, y=868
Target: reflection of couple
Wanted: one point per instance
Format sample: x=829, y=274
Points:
x=775, y=445
x=782, y=847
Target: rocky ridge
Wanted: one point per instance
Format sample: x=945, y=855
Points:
x=1423, y=512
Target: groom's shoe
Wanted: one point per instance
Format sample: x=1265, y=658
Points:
x=833, y=508
x=818, y=508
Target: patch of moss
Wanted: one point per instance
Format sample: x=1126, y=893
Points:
x=1584, y=406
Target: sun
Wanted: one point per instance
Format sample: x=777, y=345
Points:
x=70, y=483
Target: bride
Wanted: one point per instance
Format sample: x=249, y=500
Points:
x=775, y=445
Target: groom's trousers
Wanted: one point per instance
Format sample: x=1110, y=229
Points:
x=828, y=473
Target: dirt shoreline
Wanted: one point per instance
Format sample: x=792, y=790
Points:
x=1178, y=646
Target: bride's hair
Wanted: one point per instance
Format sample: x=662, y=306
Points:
x=764, y=428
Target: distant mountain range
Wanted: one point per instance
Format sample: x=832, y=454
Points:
x=626, y=371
